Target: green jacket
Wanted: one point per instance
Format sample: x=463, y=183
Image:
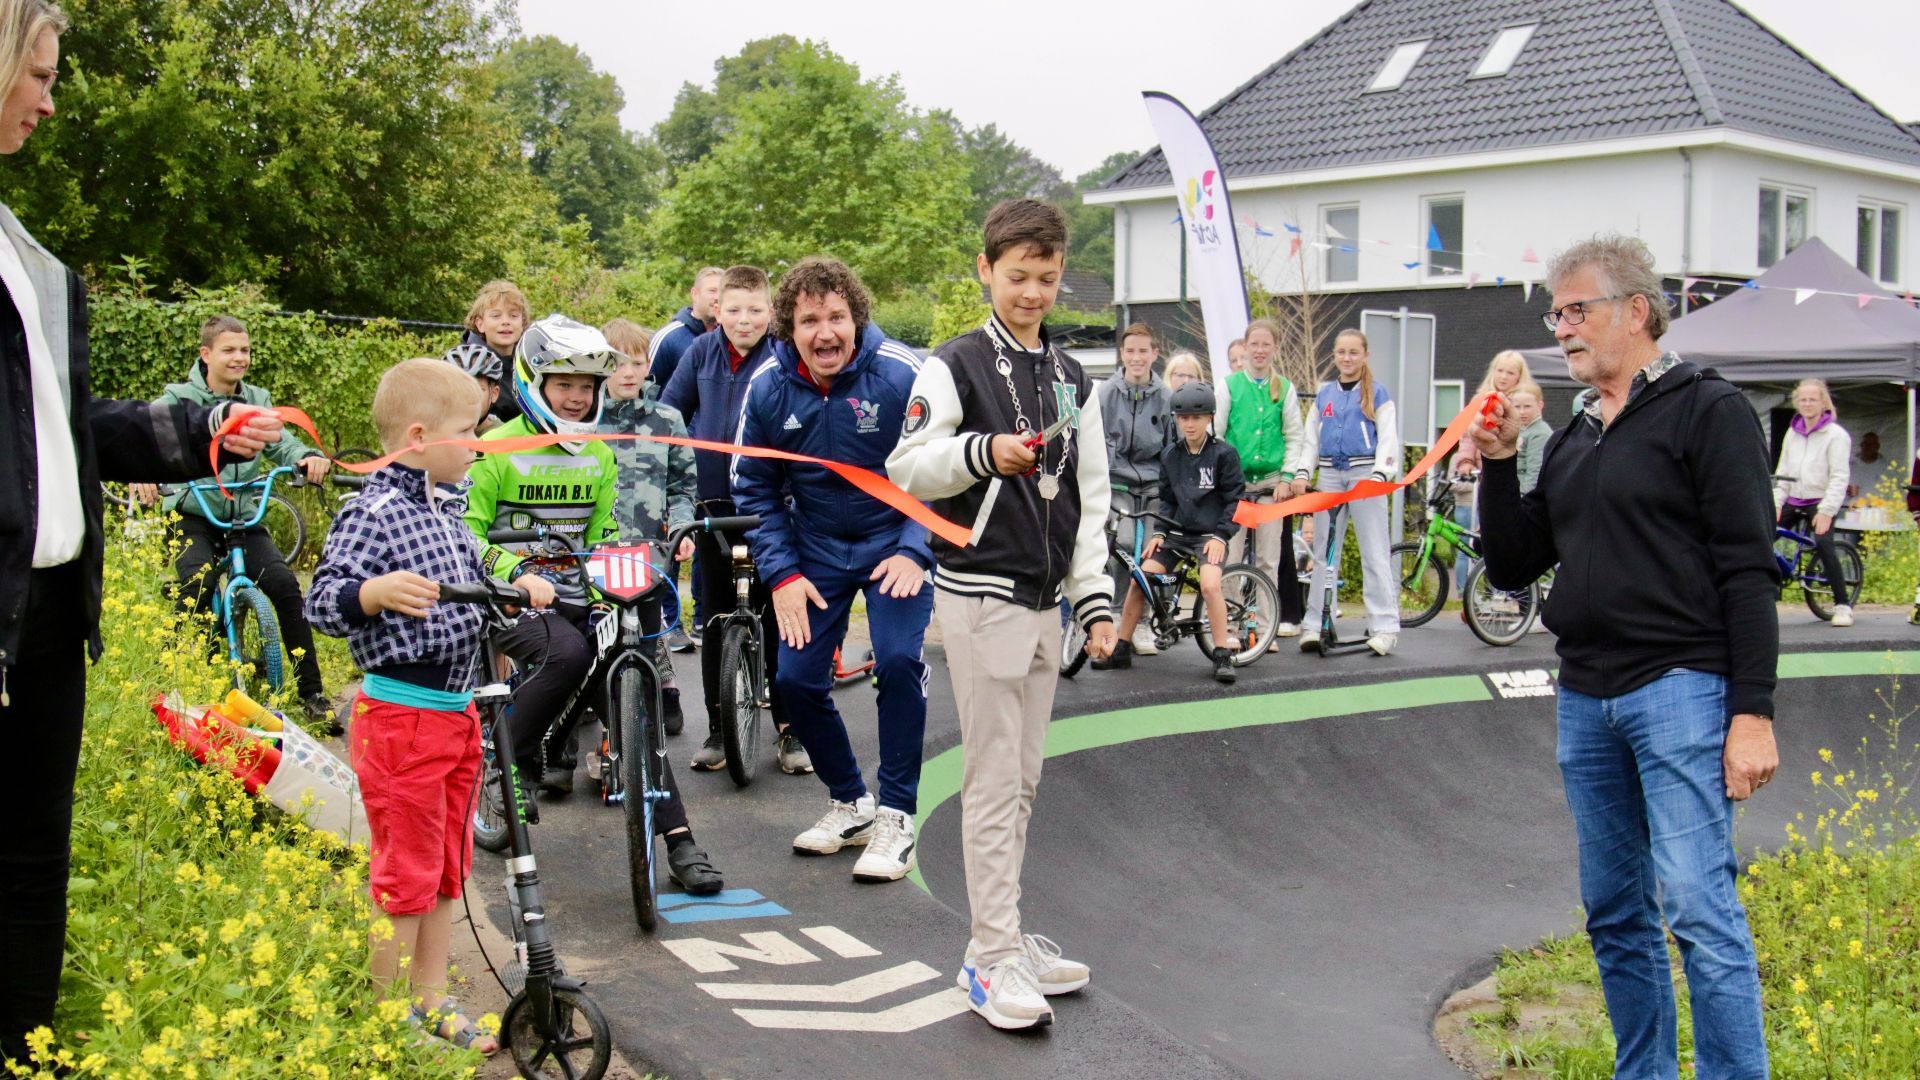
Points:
x=1265, y=433
x=569, y=493
x=288, y=451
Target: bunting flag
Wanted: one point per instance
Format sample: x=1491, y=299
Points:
x=1529, y=256
x=873, y=484
x=1290, y=227
x=1865, y=299
x=1335, y=233
x=1526, y=288
x=1414, y=265
x=1751, y=284
x=1433, y=239
x=1258, y=231
x=1801, y=296
x=1687, y=284
x=1322, y=245
x=1499, y=280
x=1473, y=279
x=1293, y=246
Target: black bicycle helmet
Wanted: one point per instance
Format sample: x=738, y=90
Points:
x=1193, y=399
x=477, y=360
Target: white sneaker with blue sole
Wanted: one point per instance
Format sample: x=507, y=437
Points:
x=1006, y=993
x=1054, y=973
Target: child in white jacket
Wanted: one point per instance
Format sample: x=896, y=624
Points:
x=1811, y=482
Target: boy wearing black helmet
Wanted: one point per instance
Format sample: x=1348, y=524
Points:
x=1200, y=485
x=560, y=369
x=488, y=370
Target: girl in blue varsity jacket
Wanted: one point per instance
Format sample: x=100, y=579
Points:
x=1354, y=434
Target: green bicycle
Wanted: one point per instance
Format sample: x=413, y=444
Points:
x=1424, y=565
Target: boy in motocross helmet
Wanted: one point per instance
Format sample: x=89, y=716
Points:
x=559, y=370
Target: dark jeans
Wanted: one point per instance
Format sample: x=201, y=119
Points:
x=1800, y=519
x=268, y=570
x=899, y=625
x=47, y=687
x=719, y=600
x=556, y=656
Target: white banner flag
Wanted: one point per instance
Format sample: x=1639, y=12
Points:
x=1213, y=250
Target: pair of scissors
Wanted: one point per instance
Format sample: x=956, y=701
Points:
x=1035, y=441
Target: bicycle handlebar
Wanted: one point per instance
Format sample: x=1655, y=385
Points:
x=491, y=592
x=520, y=536
x=351, y=481
x=199, y=488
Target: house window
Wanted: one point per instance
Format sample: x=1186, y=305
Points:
x=1444, y=238
x=1877, y=253
x=1398, y=66
x=1503, y=52
x=1784, y=214
x=1449, y=397
x=1340, y=225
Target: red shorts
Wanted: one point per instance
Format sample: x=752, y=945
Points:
x=417, y=769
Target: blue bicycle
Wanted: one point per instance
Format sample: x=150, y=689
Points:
x=1799, y=561
x=243, y=613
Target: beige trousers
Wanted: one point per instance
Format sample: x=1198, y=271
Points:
x=1004, y=662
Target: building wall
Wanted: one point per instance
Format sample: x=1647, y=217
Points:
x=1727, y=185
x=1508, y=210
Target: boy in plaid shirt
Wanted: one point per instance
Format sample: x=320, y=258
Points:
x=414, y=737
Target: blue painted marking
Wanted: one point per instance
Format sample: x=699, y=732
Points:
x=721, y=906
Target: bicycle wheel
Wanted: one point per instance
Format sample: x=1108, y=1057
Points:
x=740, y=702
x=1423, y=586
x=1073, y=648
x=638, y=772
x=1811, y=573
x=1498, y=617
x=489, y=806
x=581, y=1045
x=287, y=526
x=1253, y=613
x=257, y=629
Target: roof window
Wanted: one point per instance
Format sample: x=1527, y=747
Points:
x=1504, y=51
x=1398, y=66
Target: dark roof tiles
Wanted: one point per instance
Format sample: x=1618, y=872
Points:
x=1594, y=69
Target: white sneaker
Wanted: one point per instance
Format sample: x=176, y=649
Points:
x=889, y=855
x=1309, y=640
x=1006, y=994
x=844, y=824
x=1286, y=629
x=1143, y=641
x=1382, y=644
x=1054, y=973
x=1842, y=615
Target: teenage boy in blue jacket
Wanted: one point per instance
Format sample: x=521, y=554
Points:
x=708, y=388
x=838, y=389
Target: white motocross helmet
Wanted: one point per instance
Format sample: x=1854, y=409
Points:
x=557, y=345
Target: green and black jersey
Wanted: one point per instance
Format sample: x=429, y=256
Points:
x=568, y=493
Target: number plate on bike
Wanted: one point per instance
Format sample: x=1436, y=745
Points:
x=624, y=573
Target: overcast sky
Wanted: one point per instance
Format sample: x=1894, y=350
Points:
x=1076, y=99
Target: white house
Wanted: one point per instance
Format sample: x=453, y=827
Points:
x=1473, y=138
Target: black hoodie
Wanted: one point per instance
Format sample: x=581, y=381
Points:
x=1662, y=526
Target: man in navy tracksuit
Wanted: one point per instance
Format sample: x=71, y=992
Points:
x=707, y=388
x=838, y=389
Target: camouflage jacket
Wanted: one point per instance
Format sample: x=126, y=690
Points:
x=655, y=490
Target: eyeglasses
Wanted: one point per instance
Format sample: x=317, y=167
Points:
x=1574, y=314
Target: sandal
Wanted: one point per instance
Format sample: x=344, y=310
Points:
x=446, y=1023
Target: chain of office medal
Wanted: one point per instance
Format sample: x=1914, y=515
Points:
x=1049, y=483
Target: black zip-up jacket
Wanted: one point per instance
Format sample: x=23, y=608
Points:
x=113, y=440
x=1199, y=492
x=1025, y=549
x=1662, y=526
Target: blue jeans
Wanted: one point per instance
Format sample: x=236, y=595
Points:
x=804, y=682
x=1646, y=786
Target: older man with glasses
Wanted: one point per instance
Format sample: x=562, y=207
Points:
x=1655, y=504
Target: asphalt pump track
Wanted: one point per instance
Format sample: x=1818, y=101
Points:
x=1283, y=879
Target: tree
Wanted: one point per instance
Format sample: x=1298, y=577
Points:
x=342, y=153
x=700, y=118
x=1090, y=228
x=999, y=168
x=568, y=119
x=823, y=162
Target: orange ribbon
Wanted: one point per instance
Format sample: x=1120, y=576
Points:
x=871, y=483
x=1253, y=514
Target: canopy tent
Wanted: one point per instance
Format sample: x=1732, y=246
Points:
x=1780, y=333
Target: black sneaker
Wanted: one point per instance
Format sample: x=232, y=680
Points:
x=689, y=866
x=1914, y=619
x=1122, y=658
x=1223, y=671
x=321, y=715
x=712, y=755
x=671, y=716
x=557, y=778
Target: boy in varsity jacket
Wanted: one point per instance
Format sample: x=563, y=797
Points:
x=1003, y=431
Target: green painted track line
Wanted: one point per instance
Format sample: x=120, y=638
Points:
x=940, y=777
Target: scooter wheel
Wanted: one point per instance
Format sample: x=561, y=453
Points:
x=577, y=1045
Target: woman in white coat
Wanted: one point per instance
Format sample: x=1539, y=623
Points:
x=1811, y=482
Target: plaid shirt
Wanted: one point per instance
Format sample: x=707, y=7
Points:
x=393, y=525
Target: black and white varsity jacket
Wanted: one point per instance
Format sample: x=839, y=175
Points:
x=1025, y=549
